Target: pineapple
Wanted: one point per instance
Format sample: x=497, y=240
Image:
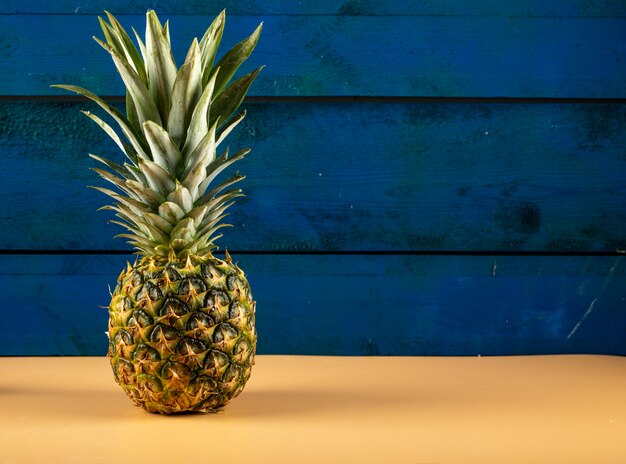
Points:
x=181, y=321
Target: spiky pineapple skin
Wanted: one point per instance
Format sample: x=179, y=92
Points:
x=181, y=333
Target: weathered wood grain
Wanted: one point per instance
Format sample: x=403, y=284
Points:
x=563, y=8
x=339, y=176
x=453, y=56
x=350, y=305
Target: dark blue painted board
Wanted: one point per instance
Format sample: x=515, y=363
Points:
x=454, y=56
x=562, y=8
x=352, y=176
x=350, y=305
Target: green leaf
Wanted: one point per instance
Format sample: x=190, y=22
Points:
x=128, y=150
x=227, y=102
x=231, y=61
x=117, y=38
x=145, y=226
x=205, y=238
x=133, y=137
x=223, y=133
x=185, y=94
x=220, y=200
x=166, y=31
x=126, y=214
x=216, y=215
x=208, y=249
x=202, y=156
x=171, y=212
x=146, y=108
x=143, y=222
x=128, y=225
x=142, y=47
x=159, y=222
x=195, y=171
x=158, y=178
x=129, y=47
x=182, y=197
x=164, y=151
x=118, y=168
x=227, y=183
x=219, y=204
x=131, y=112
x=137, y=174
x=184, y=230
x=215, y=168
x=199, y=126
x=160, y=64
x=209, y=44
x=117, y=181
x=197, y=214
x=135, y=206
x=138, y=241
x=207, y=234
x=153, y=197
x=110, y=35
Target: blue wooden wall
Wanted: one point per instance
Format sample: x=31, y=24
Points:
x=427, y=178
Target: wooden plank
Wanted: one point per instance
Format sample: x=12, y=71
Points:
x=362, y=176
x=563, y=8
x=454, y=56
x=350, y=305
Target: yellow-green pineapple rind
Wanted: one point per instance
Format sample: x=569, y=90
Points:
x=182, y=334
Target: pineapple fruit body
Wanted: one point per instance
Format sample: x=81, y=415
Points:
x=182, y=334
x=181, y=321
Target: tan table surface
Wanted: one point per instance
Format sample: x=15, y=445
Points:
x=299, y=409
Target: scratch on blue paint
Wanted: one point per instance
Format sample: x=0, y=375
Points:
x=595, y=300
x=589, y=309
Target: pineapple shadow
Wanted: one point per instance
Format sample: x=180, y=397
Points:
x=112, y=404
x=303, y=402
x=77, y=404
x=429, y=398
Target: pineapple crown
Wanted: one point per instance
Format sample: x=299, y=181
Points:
x=175, y=120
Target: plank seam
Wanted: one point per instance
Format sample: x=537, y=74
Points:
x=354, y=99
x=330, y=15
x=339, y=252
